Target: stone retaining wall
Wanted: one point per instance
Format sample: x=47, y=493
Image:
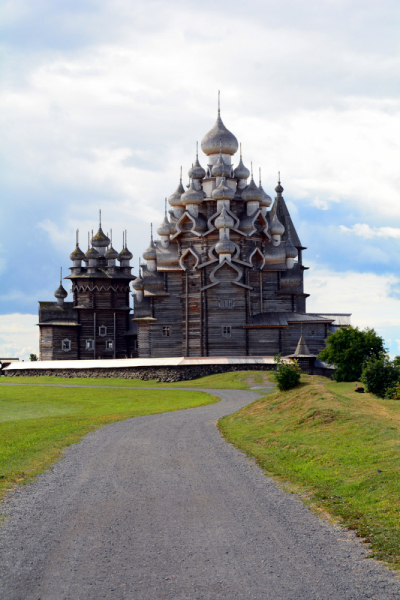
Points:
x=160, y=374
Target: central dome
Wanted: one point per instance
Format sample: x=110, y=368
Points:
x=219, y=137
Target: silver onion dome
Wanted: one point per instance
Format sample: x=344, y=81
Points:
x=77, y=254
x=175, y=198
x=219, y=134
x=279, y=188
x=165, y=227
x=111, y=254
x=225, y=246
x=223, y=192
x=291, y=251
x=276, y=227
x=252, y=194
x=221, y=169
x=138, y=283
x=150, y=253
x=224, y=220
x=241, y=172
x=267, y=200
x=196, y=171
x=61, y=292
x=100, y=240
x=192, y=196
x=92, y=254
x=125, y=254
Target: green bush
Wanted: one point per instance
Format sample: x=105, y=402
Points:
x=348, y=348
x=287, y=375
x=380, y=376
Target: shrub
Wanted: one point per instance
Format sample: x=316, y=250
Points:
x=348, y=348
x=287, y=375
x=380, y=376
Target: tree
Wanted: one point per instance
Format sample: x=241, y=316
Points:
x=348, y=348
x=287, y=375
x=33, y=357
x=380, y=376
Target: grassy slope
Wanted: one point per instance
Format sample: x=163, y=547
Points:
x=233, y=380
x=37, y=423
x=329, y=443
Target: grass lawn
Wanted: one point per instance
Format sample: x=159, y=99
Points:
x=338, y=449
x=235, y=380
x=37, y=423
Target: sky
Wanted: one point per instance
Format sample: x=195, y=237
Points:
x=102, y=101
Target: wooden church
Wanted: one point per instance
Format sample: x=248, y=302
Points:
x=224, y=279
x=97, y=323
x=226, y=276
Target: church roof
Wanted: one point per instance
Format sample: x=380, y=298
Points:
x=302, y=350
x=283, y=318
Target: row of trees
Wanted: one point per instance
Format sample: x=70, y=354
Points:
x=360, y=355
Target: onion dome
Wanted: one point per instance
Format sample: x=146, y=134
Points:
x=138, y=283
x=219, y=137
x=241, y=172
x=164, y=228
x=192, y=196
x=61, y=292
x=150, y=253
x=111, y=254
x=252, y=193
x=175, y=198
x=92, y=254
x=197, y=171
x=100, y=240
x=276, y=227
x=125, y=254
x=223, y=192
x=77, y=254
x=225, y=246
x=224, y=220
x=267, y=200
x=291, y=251
x=221, y=169
x=279, y=188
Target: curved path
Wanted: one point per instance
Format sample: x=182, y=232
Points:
x=160, y=507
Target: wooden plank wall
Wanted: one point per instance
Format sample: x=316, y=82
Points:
x=264, y=342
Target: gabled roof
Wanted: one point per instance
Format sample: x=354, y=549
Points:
x=281, y=210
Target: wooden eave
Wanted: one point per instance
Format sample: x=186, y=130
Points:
x=58, y=324
x=146, y=319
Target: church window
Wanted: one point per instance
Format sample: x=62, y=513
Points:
x=226, y=304
x=226, y=331
x=102, y=331
x=109, y=345
x=89, y=345
x=166, y=331
x=66, y=345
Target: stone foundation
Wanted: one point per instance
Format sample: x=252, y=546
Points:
x=159, y=374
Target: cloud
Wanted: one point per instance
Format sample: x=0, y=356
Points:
x=365, y=231
x=373, y=300
x=19, y=336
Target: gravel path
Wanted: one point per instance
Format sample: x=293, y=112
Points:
x=160, y=507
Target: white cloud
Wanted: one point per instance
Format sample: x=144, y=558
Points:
x=19, y=336
x=365, y=231
x=373, y=300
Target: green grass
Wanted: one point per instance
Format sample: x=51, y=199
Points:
x=237, y=380
x=327, y=443
x=37, y=423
